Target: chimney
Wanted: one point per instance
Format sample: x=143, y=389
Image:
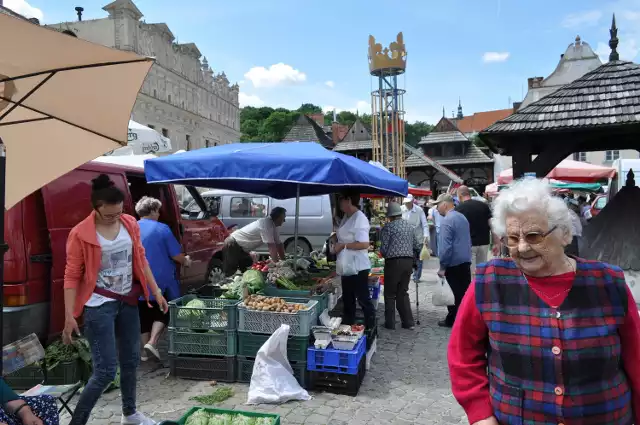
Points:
x=534, y=82
x=318, y=118
x=79, y=11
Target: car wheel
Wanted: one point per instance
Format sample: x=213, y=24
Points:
x=303, y=248
x=215, y=276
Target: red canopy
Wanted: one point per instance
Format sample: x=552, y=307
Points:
x=415, y=191
x=571, y=171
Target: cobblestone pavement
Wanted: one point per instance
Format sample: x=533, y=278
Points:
x=408, y=383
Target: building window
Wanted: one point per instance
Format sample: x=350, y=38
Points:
x=169, y=98
x=155, y=93
x=611, y=155
x=152, y=127
x=165, y=132
x=188, y=137
x=580, y=156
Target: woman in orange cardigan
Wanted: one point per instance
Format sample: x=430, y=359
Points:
x=105, y=274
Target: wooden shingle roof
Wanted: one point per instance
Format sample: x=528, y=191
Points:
x=443, y=137
x=607, y=96
x=306, y=129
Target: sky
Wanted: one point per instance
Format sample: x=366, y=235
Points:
x=284, y=53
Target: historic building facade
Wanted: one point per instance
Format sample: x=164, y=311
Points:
x=182, y=97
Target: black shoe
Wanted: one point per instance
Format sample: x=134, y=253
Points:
x=445, y=324
x=409, y=327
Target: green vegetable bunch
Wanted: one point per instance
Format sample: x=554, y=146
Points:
x=202, y=417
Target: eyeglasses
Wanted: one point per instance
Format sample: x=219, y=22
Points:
x=531, y=238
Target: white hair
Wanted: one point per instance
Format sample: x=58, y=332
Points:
x=529, y=195
x=146, y=205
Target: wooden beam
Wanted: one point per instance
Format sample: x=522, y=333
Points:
x=548, y=159
x=521, y=160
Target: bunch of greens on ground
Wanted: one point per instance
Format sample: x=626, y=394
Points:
x=202, y=417
x=219, y=395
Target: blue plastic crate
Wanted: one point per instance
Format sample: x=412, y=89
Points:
x=336, y=361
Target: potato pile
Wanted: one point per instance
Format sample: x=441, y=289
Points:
x=278, y=305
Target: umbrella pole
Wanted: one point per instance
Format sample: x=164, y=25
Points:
x=295, y=231
x=3, y=245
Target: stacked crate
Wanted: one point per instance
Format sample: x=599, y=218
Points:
x=255, y=328
x=203, y=340
x=337, y=371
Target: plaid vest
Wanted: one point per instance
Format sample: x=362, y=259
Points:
x=555, y=366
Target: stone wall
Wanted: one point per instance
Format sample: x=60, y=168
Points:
x=182, y=96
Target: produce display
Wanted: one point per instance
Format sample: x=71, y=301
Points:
x=275, y=304
x=202, y=417
x=252, y=280
x=375, y=259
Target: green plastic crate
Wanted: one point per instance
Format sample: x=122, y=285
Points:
x=323, y=299
x=249, y=343
x=209, y=343
x=218, y=314
x=245, y=370
x=25, y=378
x=276, y=418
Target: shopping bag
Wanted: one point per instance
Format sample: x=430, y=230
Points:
x=425, y=254
x=443, y=296
x=345, y=263
x=272, y=380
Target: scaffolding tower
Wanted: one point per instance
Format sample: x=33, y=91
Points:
x=387, y=104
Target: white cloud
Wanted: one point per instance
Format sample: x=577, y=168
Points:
x=490, y=57
x=582, y=19
x=24, y=9
x=279, y=74
x=249, y=100
x=330, y=84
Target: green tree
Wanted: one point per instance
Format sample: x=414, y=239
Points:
x=416, y=131
x=475, y=139
x=275, y=127
x=250, y=129
x=309, y=108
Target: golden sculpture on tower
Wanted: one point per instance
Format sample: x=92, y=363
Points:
x=393, y=57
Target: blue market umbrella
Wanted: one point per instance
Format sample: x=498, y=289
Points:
x=280, y=170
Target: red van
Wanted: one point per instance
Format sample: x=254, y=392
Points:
x=36, y=231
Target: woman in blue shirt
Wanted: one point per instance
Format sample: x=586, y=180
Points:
x=163, y=251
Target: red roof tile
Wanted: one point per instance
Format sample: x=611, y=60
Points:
x=481, y=120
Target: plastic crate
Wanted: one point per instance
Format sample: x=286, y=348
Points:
x=323, y=299
x=267, y=322
x=245, y=370
x=221, y=368
x=209, y=343
x=65, y=373
x=276, y=418
x=249, y=343
x=338, y=361
x=218, y=314
x=338, y=383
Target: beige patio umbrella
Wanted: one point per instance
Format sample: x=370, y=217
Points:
x=63, y=102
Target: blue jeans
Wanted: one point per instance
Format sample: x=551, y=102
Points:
x=102, y=326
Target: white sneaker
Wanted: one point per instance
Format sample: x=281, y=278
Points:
x=153, y=350
x=136, y=419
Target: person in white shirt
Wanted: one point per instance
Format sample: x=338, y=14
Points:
x=416, y=217
x=352, y=262
x=237, y=247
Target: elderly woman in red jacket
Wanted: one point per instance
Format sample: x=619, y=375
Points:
x=543, y=337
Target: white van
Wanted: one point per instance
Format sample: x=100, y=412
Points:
x=622, y=167
x=239, y=209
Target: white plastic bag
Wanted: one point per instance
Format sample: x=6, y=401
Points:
x=443, y=296
x=345, y=263
x=272, y=380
